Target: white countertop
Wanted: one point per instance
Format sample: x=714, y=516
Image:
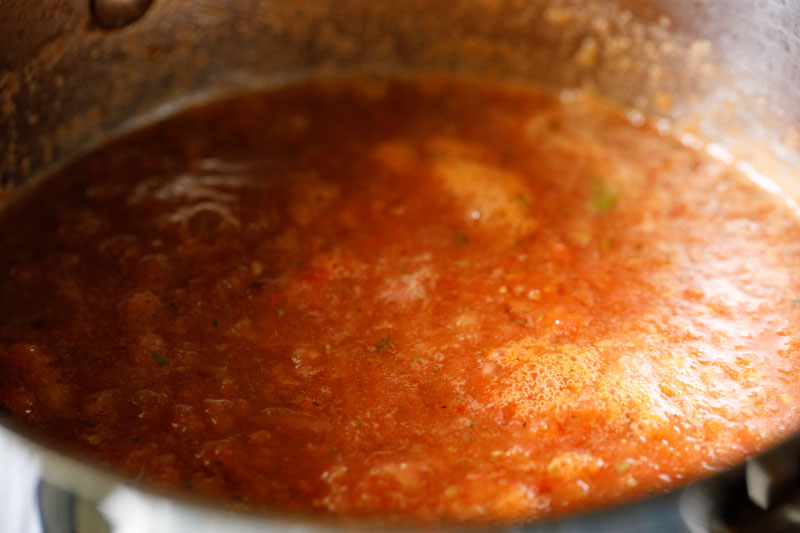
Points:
x=19, y=474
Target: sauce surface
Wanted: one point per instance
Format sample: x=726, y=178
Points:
x=431, y=299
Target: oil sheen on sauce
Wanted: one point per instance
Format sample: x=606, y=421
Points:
x=425, y=298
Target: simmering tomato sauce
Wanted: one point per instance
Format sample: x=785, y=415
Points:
x=433, y=299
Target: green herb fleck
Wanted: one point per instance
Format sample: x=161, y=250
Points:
x=603, y=198
x=473, y=424
x=416, y=358
x=158, y=358
x=622, y=466
x=358, y=426
x=524, y=200
x=462, y=238
x=384, y=343
x=520, y=322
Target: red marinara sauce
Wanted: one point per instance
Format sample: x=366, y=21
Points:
x=425, y=298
